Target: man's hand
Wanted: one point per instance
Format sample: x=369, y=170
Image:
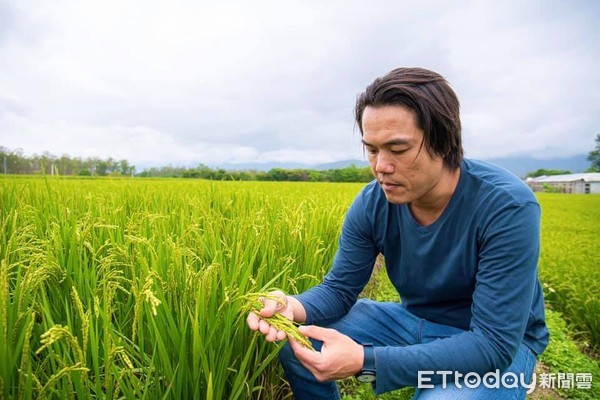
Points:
x=340, y=356
x=288, y=306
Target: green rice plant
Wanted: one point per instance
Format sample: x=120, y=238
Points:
x=569, y=262
x=143, y=278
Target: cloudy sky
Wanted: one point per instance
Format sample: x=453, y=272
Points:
x=188, y=82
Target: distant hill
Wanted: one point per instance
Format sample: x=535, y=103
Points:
x=291, y=165
x=519, y=166
x=341, y=164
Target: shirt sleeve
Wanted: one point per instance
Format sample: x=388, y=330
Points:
x=505, y=282
x=351, y=270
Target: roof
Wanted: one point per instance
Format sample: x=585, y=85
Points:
x=584, y=177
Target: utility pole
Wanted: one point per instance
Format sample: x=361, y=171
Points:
x=5, y=165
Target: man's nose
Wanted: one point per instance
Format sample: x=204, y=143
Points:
x=383, y=164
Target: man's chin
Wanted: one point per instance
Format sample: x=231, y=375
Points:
x=395, y=199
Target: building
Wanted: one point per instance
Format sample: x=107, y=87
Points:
x=583, y=183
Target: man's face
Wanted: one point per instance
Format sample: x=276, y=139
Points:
x=394, y=145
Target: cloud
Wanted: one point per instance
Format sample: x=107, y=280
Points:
x=188, y=82
x=145, y=146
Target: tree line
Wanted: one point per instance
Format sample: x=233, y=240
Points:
x=15, y=162
x=348, y=174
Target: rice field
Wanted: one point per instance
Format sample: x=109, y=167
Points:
x=570, y=261
x=131, y=288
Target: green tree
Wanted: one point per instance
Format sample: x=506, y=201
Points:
x=594, y=157
x=547, y=172
x=277, y=174
x=101, y=167
x=63, y=165
x=124, y=167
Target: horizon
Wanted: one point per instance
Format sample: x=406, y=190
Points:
x=518, y=165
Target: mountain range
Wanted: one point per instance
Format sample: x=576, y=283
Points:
x=518, y=165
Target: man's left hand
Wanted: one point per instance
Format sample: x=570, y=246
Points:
x=340, y=356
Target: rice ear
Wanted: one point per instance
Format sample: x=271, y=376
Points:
x=278, y=321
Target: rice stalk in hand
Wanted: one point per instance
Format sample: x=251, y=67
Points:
x=278, y=321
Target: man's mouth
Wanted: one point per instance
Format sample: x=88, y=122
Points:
x=389, y=185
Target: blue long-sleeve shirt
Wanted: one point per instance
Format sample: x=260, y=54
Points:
x=474, y=268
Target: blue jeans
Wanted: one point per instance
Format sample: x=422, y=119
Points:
x=390, y=324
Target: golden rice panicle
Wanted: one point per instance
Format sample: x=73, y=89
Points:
x=83, y=316
x=57, y=333
x=57, y=376
x=278, y=321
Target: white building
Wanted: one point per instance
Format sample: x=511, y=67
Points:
x=583, y=183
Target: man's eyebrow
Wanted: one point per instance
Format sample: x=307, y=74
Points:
x=393, y=142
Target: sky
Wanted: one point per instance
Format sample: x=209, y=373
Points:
x=231, y=82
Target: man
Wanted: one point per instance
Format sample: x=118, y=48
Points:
x=461, y=242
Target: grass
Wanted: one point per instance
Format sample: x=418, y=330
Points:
x=564, y=355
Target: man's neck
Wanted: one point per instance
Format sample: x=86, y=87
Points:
x=430, y=207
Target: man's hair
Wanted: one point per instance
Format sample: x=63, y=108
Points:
x=433, y=101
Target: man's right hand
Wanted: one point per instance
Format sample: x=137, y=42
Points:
x=289, y=307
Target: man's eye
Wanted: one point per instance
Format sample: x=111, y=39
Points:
x=397, y=152
x=372, y=151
